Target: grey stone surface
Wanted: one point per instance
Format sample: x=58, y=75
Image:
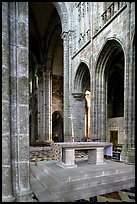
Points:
x=77, y=184
x=88, y=38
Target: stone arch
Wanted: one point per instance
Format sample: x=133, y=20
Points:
x=63, y=13
x=51, y=45
x=46, y=31
x=81, y=81
x=109, y=75
x=106, y=52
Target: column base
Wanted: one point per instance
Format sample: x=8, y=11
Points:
x=8, y=199
x=24, y=196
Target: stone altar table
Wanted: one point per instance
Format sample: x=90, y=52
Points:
x=64, y=152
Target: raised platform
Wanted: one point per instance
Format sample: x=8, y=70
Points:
x=52, y=183
x=64, y=152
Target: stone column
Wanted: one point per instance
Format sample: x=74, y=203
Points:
x=44, y=104
x=33, y=109
x=40, y=106
x=101, y=104
x=47, y=104
x=97, y=104
x=7, y=189
x=66, y=86
x=19, y=100
x=70, y=70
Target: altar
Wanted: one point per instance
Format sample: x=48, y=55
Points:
x=64, y=152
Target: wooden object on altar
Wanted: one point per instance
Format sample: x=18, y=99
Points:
x=92, y=139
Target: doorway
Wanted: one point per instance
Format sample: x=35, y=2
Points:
x=114, y=138
x=57, y=127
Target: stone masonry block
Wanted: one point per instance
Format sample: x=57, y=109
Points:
x=4, y=17
x=5, y=50
x=5, y=118
x=22, y=56
x=23, y=10
x=6, y=149
x=22, y=33
x=6, y=184
x=23, y=90
x=24, y=119
x=24, y=175
x=12, y=8
x=23, y=148
x=5, y=84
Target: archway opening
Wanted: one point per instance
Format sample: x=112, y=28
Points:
x=81, y=92
x=115, y=94
x=45, y=70
x=109, y=91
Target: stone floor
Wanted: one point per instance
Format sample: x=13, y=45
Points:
x=126, y=195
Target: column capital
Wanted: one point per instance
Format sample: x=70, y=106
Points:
x=64, y=34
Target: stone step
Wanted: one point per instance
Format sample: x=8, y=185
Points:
x=53, y=186
x=43, y=195
x=45, y=180
x=70, y=196
x=59, y=174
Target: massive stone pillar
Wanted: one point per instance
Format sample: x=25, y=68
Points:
x=44, y=104
x=128, y=152
x=7, y=189
x=19, y=99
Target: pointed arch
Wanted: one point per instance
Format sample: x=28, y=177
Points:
x=109, y=50
x=63, y=13
x=109, y=85
x=81, y=81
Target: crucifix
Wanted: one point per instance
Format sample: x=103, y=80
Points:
x=72, y=128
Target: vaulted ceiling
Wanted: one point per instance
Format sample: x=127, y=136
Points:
x=40, y=15
x=44, y=33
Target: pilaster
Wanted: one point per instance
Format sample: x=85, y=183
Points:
x=7, y=188
x=19, y=99
x=127, y=94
